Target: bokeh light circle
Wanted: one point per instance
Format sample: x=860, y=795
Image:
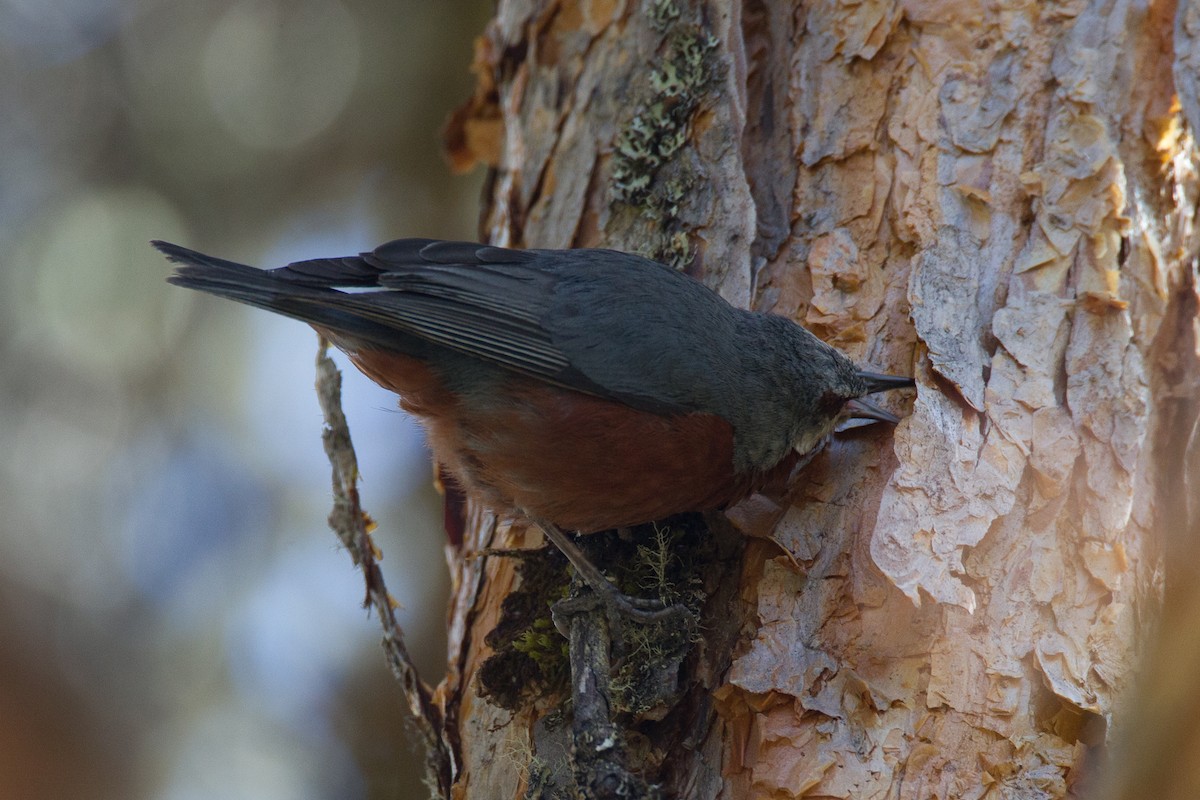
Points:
x=279, y=73
x=94, y=294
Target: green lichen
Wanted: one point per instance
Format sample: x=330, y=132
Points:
x=650, y=175
x=541, y=642
x=659, y=128
x=662, y=13
x=530, y=658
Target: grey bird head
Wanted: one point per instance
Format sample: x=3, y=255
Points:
x=811, y=388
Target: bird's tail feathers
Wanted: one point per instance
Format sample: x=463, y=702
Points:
x=257, y=287
x=220, y=277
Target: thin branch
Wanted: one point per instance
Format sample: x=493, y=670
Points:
x=353, y=527
x=598, y=746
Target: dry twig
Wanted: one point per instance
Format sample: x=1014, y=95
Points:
x=353, y=527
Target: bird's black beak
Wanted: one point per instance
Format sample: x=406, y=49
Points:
x=865, y=409
x=861, y=408
x=878, y=382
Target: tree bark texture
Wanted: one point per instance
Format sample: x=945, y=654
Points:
x=997, y=197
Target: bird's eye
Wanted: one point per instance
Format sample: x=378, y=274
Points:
x=831, y=403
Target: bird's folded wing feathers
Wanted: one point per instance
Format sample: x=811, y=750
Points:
x=486, y=302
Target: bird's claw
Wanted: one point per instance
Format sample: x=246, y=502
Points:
x=617, y=608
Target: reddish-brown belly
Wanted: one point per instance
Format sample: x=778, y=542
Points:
x=581, y=462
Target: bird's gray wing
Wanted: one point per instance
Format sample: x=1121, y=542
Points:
x=490, y=303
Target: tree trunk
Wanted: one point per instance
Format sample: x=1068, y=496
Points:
x=996, y=197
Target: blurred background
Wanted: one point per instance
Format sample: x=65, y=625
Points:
x=175, y=619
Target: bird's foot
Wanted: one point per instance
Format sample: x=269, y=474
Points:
x=617, y=605
x=618, y=608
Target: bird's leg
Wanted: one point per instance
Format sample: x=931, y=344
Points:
x=616, y=603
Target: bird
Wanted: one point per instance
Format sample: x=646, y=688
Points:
x=586, y=389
